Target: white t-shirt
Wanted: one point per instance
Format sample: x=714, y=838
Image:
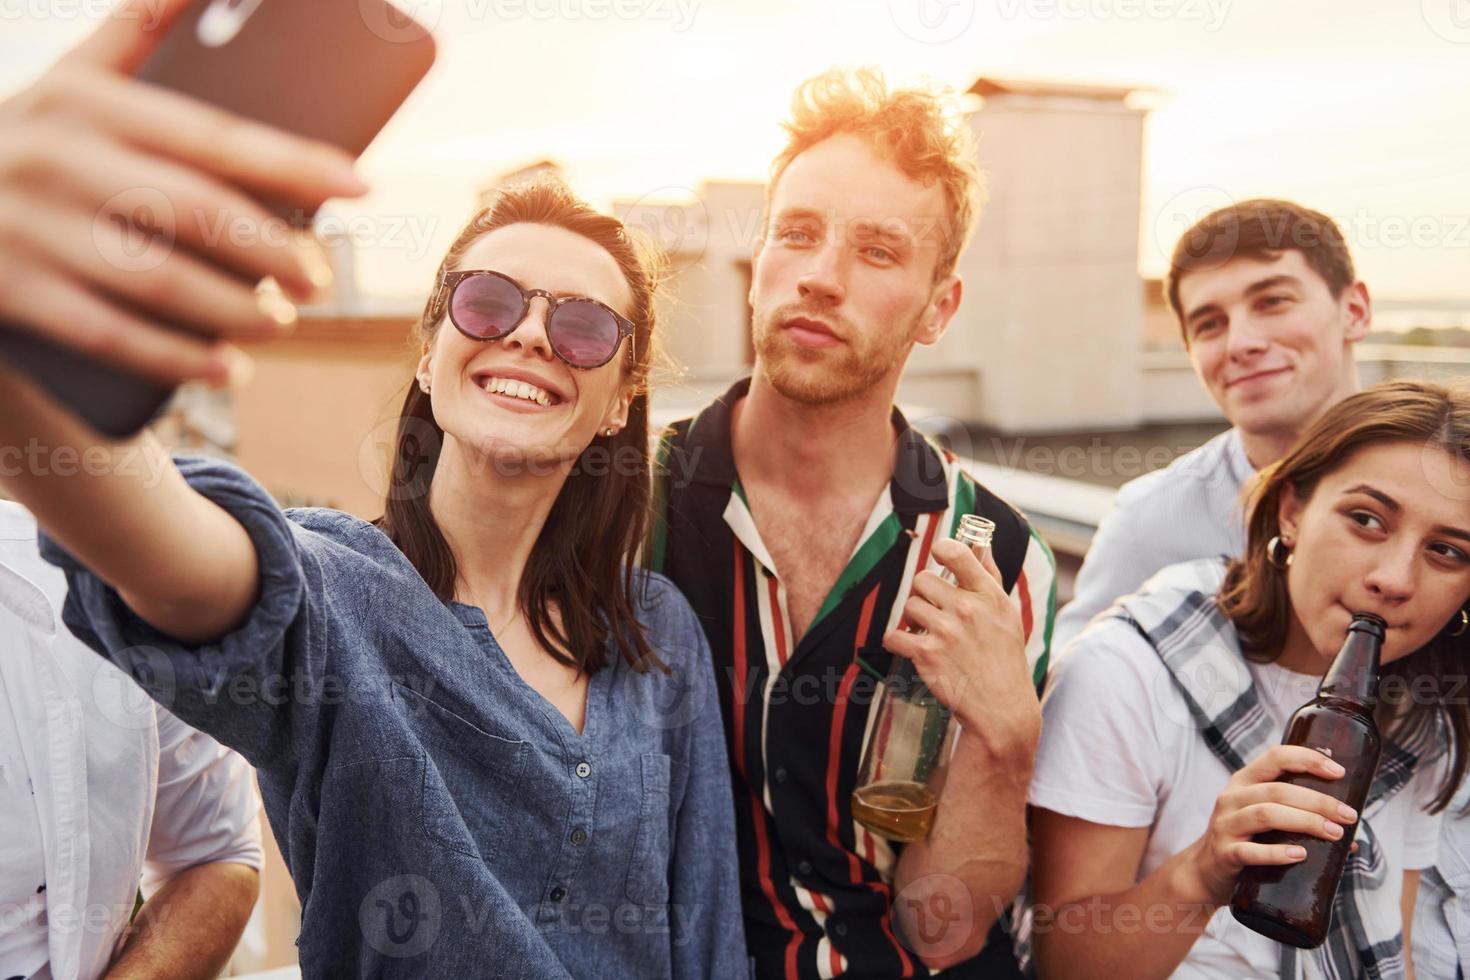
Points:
x=1120, y=747
x=23, y=942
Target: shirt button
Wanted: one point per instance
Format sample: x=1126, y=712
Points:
x=583, y=770
x=780, y=775
x=804, y=868
x=558, y=893
x=840, y=928
x=579, y=836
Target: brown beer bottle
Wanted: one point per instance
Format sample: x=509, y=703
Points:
x=1292, y=903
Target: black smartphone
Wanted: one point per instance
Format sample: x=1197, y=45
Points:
x=333, y=70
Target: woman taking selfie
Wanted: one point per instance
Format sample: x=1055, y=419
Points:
x=487, y=746
x=1160, y=757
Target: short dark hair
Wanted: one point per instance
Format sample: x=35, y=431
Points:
x=1262, y=228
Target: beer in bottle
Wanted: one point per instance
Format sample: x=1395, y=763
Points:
x=910, y=741
x=1292, y=903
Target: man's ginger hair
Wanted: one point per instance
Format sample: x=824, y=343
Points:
x=920, y=130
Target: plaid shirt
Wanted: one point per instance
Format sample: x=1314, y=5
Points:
x=1198, y=644
x=816, y=885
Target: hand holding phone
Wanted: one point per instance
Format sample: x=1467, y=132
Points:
x=113, y=191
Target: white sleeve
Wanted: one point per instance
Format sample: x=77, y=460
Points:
x=1117, y=562
x=1422, y=829
x=207, y=807
x=1100, y=758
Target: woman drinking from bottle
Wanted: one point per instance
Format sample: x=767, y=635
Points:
x=1160, y=758
x=487, y=745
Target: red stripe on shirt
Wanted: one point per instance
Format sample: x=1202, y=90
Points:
x=865, y=622
x=839, y=717
x=887, y=922
x=757, y=812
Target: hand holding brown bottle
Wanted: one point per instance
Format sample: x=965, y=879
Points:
x=1254, y=801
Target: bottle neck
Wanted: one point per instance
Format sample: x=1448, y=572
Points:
x=1353, y=676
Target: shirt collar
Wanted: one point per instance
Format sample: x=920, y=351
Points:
x=919, y=484
x=22, y=590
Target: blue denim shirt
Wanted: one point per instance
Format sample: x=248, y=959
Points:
x=439, y=817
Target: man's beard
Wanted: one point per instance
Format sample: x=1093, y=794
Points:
x=830, y=375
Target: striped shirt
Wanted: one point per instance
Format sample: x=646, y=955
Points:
x=816, y=885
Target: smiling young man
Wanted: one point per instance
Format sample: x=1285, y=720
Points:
x=805, y=518
x=1270, y=308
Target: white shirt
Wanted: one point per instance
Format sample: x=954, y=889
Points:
x=23, y=883
x=125, y=793
x=1189, y=509
x=1120, y=747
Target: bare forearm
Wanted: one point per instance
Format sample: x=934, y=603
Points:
x=124, y=510
x=189, y=928
x=1143, y=933
x=974, y=861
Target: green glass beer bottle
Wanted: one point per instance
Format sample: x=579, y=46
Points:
x=911, y=739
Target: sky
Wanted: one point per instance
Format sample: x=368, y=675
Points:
x=1355, y=107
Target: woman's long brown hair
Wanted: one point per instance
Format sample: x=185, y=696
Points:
x=578, y=588
x=1254, y=594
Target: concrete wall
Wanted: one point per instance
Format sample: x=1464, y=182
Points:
x=1053, y=313
x=317, y=420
